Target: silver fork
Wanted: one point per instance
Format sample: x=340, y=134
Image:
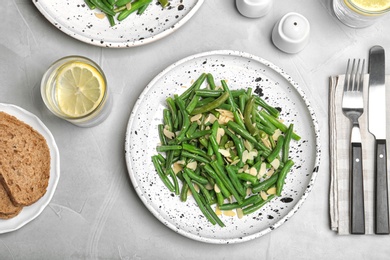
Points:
x=352, y=106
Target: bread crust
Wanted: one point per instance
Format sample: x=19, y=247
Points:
x=7, y=208
x=24, y=161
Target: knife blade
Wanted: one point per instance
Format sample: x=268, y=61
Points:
x=377, y=127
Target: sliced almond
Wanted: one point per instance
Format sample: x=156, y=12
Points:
x=100, y=15
x=192, y=165
x=229, y=213
x=224, y=152
x=275, y=163
x=263, y=195
x=196, y=118
x=168, y=133
x=220, y=133
x=271, y=190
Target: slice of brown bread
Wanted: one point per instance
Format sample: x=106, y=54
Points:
x=7, y=208
x=24, y=161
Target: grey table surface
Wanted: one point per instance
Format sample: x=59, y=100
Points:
x=95, y=212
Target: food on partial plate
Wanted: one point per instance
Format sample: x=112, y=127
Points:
x=121, y=9
x=229, y=149
x=24, y=165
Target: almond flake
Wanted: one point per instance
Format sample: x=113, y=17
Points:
x=196, y=118
x=275, y=163
x=263, y=195
x=100, y=15
x=168, y=133
x=192, y=165
x=271, y=190
x=229, y=213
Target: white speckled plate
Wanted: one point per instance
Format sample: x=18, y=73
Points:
x=31, y=212
x=241, y=70
x=74, y=18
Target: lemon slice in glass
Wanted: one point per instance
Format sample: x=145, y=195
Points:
x=79, y=89
x=369, y=6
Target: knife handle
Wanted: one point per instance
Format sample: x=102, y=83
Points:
x=381, y=197
x=357, y=191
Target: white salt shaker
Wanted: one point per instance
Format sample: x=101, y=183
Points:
x=291, y=33
x=254, y=8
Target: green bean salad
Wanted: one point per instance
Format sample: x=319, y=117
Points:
x=121, y=9
x=227, y=148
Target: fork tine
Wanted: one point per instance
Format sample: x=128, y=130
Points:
x=347, y=76
x=353, y=75
x=361, y=77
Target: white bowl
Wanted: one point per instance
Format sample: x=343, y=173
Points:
x=254, y=8
x=291, y=33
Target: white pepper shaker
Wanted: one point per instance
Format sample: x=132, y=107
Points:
x=254, y=8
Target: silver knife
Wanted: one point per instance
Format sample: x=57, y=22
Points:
x=377, y=127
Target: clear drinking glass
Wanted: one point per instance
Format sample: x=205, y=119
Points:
x=360, y=13
x=49, y=92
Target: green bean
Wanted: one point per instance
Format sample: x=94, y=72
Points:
x=142, y=9
x=192, y=104
x=174, y=178
x=226, y=193
x=212, y=105
x=247, y=201
x=186, y=94
x=184, y=192
x=161, y=173
x=99, y=4
x=204, y=191
x=238, y=144
x=246, y=135
x=163, y=3
x=163, y=139
x=195, y=157
x=248, y=177
x=286, y=144
x=257, y=206
x=167, y=118
x=195, y=177
x=275, y=152
x=122, y=2
x=278, y=124
x=266, y=184
x=235, y=181
x=210, y=81
x=90, y=4
x=134, y=7
x=193, y=149
x=220, y=171
x=209, y=93
x=191, y=130
x=165, y=148
x=195, y=194
x=282, y=176
x=230, y=97
x=212, y=213
x=215, y=147
x=270, y=109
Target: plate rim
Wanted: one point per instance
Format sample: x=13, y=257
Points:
x=292, y=83
x=54, y=171
x=117, y=45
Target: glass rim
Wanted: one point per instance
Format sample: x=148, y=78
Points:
x=62, y=61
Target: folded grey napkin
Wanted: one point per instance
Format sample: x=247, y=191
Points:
x=339, y=130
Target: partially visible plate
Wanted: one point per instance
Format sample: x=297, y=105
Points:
x=241, y=70
x=74, y=18
x=31, y=212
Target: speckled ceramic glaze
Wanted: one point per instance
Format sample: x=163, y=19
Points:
x=74, y=18
x=241, y=70
x=31, y=212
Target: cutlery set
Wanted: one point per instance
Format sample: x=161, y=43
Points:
x=352, y=107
